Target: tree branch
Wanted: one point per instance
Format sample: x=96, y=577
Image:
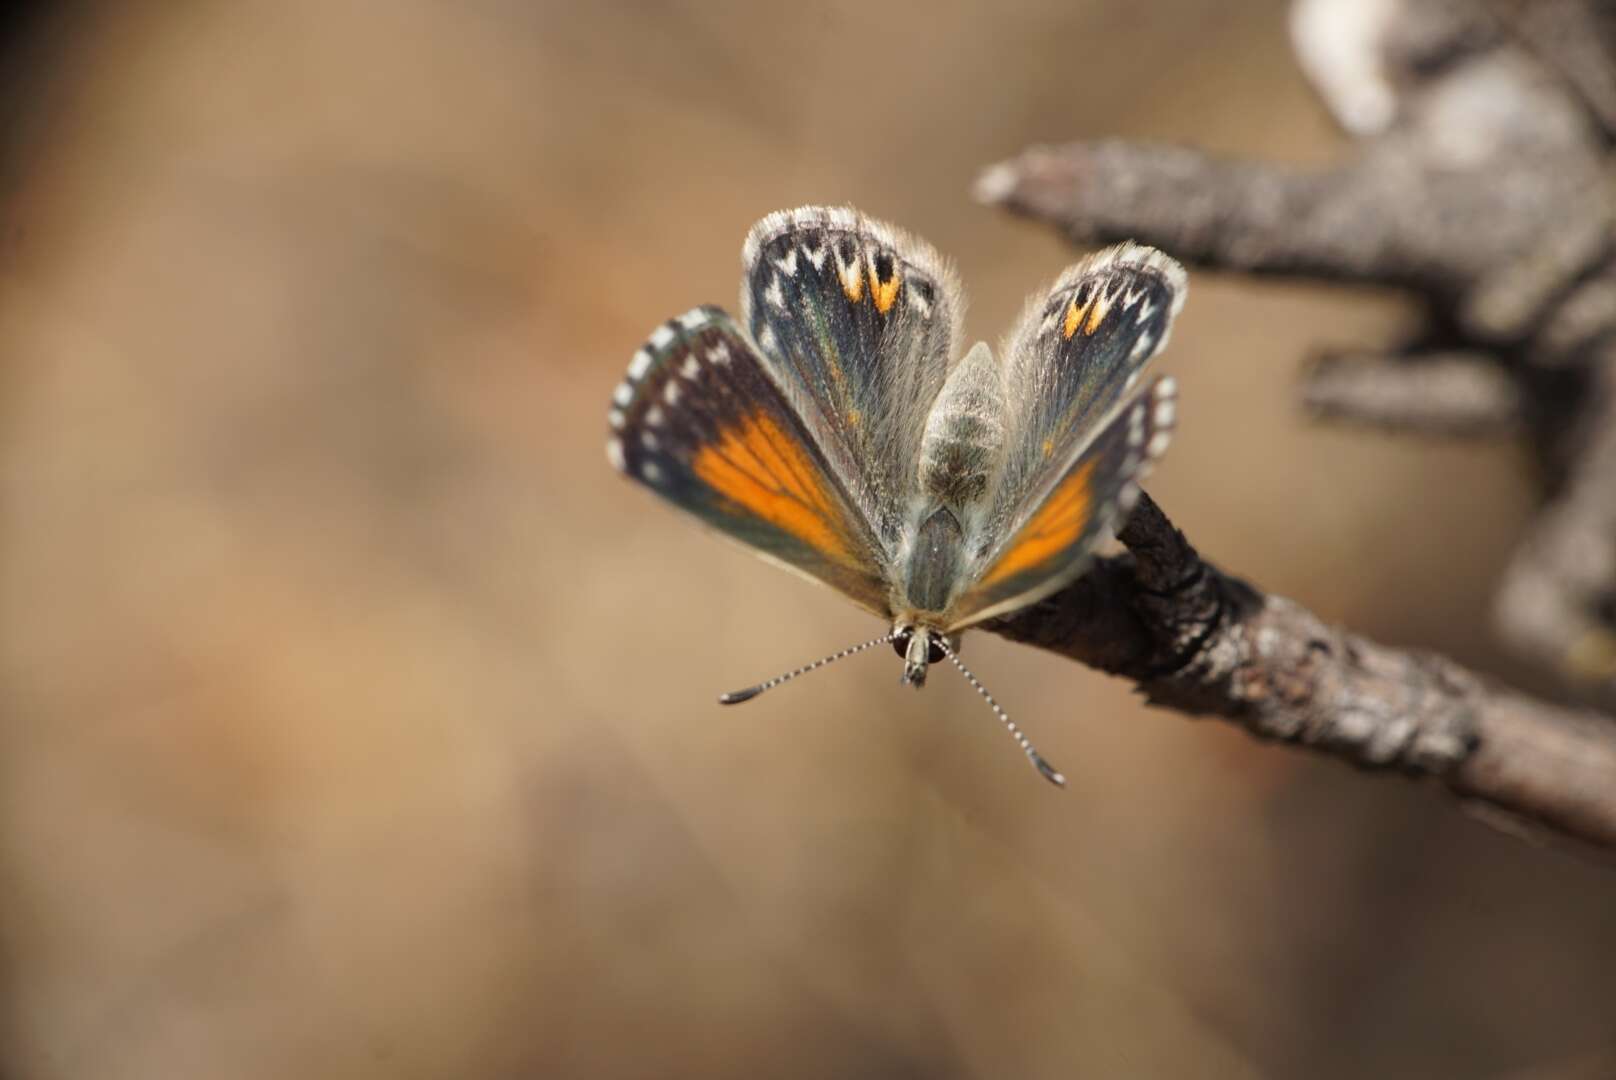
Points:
x=1201, y=641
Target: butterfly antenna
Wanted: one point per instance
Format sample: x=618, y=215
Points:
x=1048, y=771
x=735, y=697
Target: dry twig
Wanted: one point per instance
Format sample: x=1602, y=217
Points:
x=1200, y=641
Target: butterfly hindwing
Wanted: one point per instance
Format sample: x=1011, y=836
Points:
x=860, y=320
x=1054, y=539
x=701, y=422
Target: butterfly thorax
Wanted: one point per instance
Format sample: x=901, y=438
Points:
x=935, y=560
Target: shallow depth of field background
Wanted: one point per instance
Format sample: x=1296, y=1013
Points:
x=356, y=720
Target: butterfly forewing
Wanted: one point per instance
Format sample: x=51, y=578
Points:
x=1074, y=354
x=859, y=322
x=701, y=422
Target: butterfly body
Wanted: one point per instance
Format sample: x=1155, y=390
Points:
x=837, y=428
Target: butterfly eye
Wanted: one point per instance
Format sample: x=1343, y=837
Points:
x=900, y=641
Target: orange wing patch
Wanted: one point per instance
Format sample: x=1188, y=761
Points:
x=1056, y=526
x=758, y=467
x=1097, y=310
x=1074, y=319
x=884, y=293
x=1088, y=317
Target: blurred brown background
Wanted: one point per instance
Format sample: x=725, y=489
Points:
x=358, y=721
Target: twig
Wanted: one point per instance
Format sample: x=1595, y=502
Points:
x=1206, y=643
x=1444, y=393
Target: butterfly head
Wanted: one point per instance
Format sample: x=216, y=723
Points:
x=920, y=647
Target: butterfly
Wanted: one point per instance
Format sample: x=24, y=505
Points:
x=837, y=429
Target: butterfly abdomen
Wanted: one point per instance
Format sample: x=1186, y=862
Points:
x=964, y=436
